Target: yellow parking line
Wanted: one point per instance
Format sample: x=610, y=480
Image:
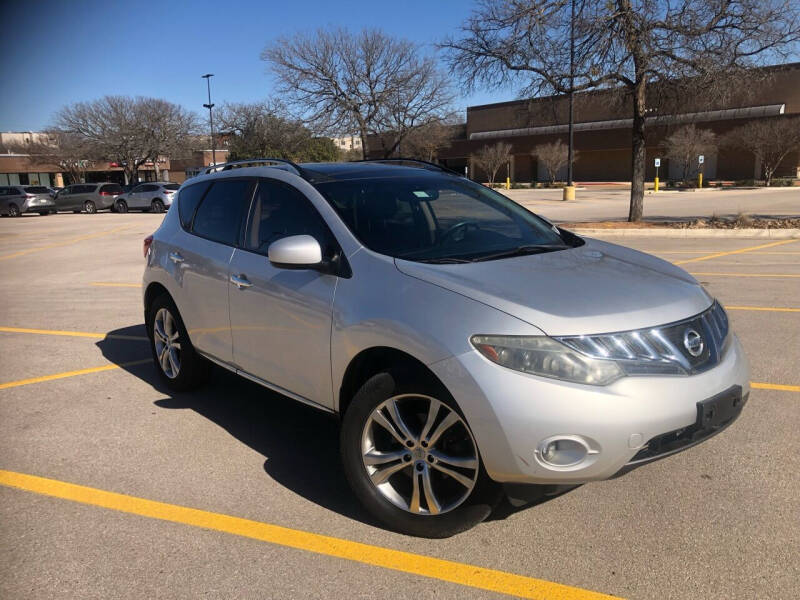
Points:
x=65, y=242
x=64, y=375
x=86, y=334
x=113, y=284
x=747, y=274
x=406, y=562
x=729, y=252
x=775, y=386
x=704, y=251
x=763, y=308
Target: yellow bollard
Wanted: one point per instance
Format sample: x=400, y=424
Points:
x=568, y=193
x=699, y=180
x=508, y=183
x=655, y=185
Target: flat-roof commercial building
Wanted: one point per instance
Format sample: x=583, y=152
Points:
x=603, y=131
x=20, y=168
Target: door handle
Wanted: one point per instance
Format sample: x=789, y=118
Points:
x=175, y=257
x=241, y=281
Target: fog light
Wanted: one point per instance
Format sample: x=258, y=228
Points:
x=563, y=452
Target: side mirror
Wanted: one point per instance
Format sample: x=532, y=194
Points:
x=296, y=252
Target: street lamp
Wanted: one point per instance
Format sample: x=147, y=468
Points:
x=569, y=191
x=209, y=106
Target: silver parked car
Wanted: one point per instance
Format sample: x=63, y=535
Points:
x=155, y=197
x=87, y=197
x=18, y=199
x=470, y=347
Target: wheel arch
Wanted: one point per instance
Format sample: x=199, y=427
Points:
x=374, y=360
x=153, y=291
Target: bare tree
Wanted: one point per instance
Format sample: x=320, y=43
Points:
x=769, y=140
x=265, y=129
x=625, y=43
x=686, y=144
x=491, y=158
x=130, y=131
x=426, y=141
x=367, y=82
x=554, y=156
x=68, y=152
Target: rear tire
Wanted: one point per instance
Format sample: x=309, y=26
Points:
x=157, y=206
x=178, y=364
x=44, y=213
x=121, y=206
x=13, y=210
x=435, y=505
x=90, y=207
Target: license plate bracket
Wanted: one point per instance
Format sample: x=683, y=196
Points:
x=720, y=409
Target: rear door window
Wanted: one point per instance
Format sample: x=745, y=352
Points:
x=37, y=189
x=219, y=216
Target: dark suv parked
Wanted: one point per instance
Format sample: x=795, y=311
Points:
x=88, y=197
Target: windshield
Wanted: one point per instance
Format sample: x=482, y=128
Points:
x=438, y=219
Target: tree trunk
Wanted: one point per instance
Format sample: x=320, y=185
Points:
x=637, y=152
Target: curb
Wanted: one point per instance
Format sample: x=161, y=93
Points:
x=775, y=234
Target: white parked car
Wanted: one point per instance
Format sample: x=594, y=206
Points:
x=153, y=197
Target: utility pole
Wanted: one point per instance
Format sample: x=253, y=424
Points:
x=209, y=106
x=569, y=191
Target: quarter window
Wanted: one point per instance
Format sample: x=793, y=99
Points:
x=219, y=215
x=188, y=199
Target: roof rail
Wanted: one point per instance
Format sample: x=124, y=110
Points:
x=281, y=163
x=422, y=163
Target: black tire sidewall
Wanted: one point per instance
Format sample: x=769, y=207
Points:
x=11, y=209
x=193, y=370
x=121, y=206
x=90, y=207
x=479, y=505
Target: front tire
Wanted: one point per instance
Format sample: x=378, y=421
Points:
x=411, y=459
x=180, y=367
x=90, y=207
x=13, y=210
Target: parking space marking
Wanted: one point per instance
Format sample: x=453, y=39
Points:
x=729, y=252
x=114, y=284
x=763, y=308
x=397, y=560
x=747, y=274
x=66, y=374
x=775, y=386
x=86, y=334
x=65, y=242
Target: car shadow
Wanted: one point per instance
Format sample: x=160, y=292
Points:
x=300, y=444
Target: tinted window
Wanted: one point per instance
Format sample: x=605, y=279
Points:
x=172, y=186
x=84, y=189
x=149, y=188
x=219, y=216
x=279, y=211
x=188, y=199
x=138, y=188
x=37, y=189
x=112, y=188
x=435, y=218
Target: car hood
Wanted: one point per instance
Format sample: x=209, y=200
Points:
x=595, y=288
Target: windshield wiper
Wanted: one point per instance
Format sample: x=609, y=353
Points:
x=522, y=251
x=445, y=261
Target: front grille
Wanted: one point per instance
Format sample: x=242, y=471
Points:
x=685, y=347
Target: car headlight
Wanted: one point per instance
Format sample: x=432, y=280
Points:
x=544, y=356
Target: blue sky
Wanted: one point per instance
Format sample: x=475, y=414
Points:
x=54, y=53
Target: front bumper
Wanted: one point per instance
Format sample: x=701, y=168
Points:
x=511, y=413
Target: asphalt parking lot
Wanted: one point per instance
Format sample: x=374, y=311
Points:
x=99, y=464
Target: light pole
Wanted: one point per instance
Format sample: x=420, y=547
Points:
x=569, y=191
x=209, y=106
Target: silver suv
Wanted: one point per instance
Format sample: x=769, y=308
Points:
x=470, y=348
x=18, y=199
x=154, y=197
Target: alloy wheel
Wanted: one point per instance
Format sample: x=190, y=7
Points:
x=167, y=344
x=13, y=210
x=90, y=207
x=419, y=454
